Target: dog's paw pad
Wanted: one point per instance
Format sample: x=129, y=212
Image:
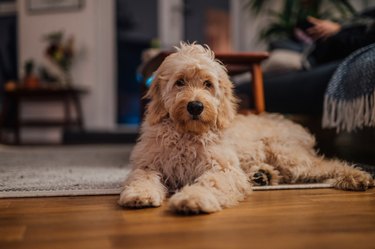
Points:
x=261, y=178
x=139, y=200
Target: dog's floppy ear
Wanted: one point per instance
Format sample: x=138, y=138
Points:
x=155, y=111
x=228, y=102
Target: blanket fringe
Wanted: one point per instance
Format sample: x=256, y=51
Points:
x=349, y=115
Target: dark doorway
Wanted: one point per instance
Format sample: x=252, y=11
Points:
x=205, y=21
x=136, y=29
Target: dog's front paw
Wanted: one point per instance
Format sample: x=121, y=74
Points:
x=355, y=180
x=132, y=198
x=194, y=200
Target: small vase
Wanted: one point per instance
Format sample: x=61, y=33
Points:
x=31, y=81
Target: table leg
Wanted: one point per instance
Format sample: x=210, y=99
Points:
x=257, y=84
x=67, y=113
x=17, y=124
x=78, y=107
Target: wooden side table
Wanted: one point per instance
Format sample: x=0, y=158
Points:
x=70, y=97
x=236, y=63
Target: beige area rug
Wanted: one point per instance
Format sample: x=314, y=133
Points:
x=62, y=170
x=73, y=170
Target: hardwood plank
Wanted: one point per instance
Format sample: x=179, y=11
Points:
x=323, y=218
x=4, y=204
x=12, y=232
x=65, y=244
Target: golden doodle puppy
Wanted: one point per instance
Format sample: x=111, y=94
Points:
x=195, y=148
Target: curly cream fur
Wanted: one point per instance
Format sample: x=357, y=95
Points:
x=206, y=163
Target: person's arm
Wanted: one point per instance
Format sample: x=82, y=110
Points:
x=322, y=29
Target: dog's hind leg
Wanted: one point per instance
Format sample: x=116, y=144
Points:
x=143, y=189
x=216, y=189
x=340, y=174
x=298, y=164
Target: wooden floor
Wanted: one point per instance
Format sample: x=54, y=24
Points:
x=274, y=219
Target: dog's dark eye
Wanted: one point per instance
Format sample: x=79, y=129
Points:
x=208, y=84
x=180, y=82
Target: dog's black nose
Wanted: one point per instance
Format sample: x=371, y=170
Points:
x=195, y=108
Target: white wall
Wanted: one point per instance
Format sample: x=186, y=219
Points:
x=93, y=28
x=170, y=22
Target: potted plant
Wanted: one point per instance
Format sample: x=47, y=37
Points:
x=60, y=55
x=30, y=80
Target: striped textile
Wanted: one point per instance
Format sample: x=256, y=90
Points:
x=349, y=101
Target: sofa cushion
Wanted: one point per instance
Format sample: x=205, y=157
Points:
x=282, y=60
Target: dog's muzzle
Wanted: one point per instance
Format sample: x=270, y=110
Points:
x=195, y=108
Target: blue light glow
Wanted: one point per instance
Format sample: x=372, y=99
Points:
x=149, y=81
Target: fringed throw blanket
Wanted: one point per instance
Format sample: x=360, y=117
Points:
x=349, y=101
